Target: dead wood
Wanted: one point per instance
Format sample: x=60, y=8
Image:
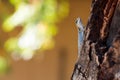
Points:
x=100, y=55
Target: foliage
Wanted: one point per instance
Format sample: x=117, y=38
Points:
x=29, y=26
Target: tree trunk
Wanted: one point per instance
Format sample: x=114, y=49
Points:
x=100, y=55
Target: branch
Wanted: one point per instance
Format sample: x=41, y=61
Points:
x=96, y=44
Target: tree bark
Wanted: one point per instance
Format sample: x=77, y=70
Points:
x=100, y=55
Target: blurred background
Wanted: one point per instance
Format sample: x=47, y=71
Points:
x=38, y=38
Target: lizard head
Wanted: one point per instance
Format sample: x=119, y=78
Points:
x=79, y=24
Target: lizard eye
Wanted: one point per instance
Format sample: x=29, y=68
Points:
x=76, y=21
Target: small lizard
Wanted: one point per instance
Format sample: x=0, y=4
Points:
x=80, y=34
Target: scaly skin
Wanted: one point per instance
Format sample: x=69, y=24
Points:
x=80, y=34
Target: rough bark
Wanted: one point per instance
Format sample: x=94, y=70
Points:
x=100, y=55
